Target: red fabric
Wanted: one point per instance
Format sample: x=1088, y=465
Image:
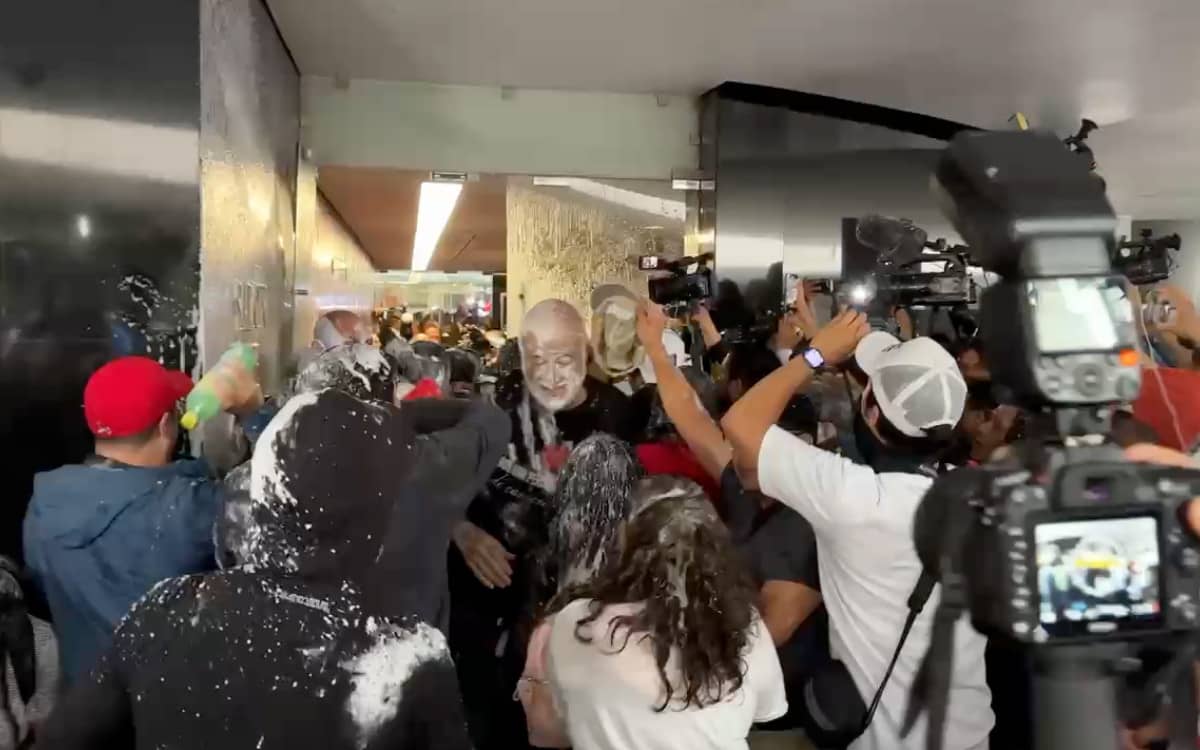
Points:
x=425, y=388
x=129, y=395
x=1182, y=387
x=677, y=459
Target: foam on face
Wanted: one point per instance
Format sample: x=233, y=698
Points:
x=378, y=675
x=553, y=346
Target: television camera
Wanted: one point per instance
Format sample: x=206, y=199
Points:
x=1148, y=259
x=678, y=283
x=1063, y=547
x=901, y=277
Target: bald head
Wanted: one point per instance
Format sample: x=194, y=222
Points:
x=554, y=354
x=338, y=327
x=553, y=317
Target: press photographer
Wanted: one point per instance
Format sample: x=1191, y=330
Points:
x=871, y=578
x=1064, y=547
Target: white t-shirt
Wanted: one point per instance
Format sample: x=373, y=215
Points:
x=868, y=567
x=608, y=697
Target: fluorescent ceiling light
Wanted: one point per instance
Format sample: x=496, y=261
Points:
x=83, y=225
x=433, y=213
x=128, y=149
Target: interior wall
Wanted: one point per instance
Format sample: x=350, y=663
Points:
x=99, y=215
x=340, y=275
x=561, y=246
x=249, y=139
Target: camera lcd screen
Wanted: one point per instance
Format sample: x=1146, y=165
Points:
x=1080, y=314
x=1097, y=576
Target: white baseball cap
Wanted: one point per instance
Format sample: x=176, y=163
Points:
x=917, y=383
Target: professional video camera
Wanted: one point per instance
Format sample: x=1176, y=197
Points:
x=900, y=277
x=1065, y=547
x=1147, y=260
x=687, y=280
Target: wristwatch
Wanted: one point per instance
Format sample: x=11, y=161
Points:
x=813, y=357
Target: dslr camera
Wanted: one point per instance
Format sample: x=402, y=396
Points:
x=1064, y=546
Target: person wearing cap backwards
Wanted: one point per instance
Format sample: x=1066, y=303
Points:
x=862, y=515
x=98, y=535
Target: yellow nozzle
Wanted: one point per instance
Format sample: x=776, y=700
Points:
x=189, y=420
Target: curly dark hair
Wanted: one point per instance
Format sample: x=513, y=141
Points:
x=679, y=560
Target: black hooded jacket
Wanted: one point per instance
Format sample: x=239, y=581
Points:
x=292, y=649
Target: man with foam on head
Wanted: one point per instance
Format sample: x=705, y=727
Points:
x=553, y=405
x=454, y=445
x=554, y=351
x=338, y=327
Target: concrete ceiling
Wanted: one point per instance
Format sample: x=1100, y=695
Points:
x=1131, y=65
x=380, y=207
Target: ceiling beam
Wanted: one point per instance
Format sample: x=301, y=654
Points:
x=499, y=131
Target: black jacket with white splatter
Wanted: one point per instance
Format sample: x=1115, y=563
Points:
x=286, y=651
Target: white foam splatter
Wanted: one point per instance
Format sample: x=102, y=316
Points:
x=378, y=675
x=266, y=480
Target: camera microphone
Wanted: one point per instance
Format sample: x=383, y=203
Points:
x=898, y=241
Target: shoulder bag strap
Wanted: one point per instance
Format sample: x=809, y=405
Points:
x=916, y=602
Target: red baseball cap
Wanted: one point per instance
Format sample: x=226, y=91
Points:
x=129, y=395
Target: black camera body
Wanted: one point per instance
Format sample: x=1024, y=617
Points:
x=898, y=274
x=1065, y=546
x=1098, y=555
x=686, y=281
x=1146, y=260
x=911, y=287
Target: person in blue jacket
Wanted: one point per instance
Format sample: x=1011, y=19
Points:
x=99, y=535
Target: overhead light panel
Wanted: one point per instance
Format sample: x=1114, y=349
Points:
x=433, y=213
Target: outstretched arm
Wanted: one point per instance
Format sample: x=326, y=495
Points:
x=679, y=401
x=747, y=421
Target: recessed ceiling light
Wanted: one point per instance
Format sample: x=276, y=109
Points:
x=433, y=213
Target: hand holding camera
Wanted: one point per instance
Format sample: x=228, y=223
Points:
x=1174, y=312
x=837, y=340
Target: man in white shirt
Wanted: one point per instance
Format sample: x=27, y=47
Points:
x=862, y=515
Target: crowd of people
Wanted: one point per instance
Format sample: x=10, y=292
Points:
x=616, y=533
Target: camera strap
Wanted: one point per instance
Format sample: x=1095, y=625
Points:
x=931, y=686
x=916, y=602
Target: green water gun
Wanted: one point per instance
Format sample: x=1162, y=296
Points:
x=204, y=401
